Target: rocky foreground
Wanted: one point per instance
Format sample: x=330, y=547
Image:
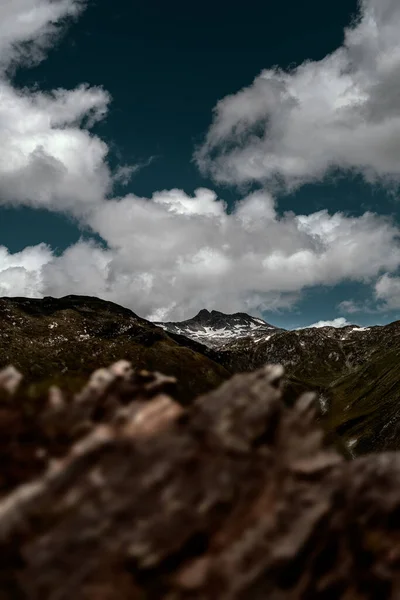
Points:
x=119, y=492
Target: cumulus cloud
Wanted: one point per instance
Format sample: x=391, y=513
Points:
x=172, y=254
x=193, y=254
x=385, y=297
x=49, y=157
x=342, y=112
x=21, y=274
x=29, y=27
x=387, y=292
x=48, y=160
x=338, y=322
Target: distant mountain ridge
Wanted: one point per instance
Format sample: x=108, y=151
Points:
x=216, y=329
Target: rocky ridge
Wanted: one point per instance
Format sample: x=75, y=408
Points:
x=216, y=329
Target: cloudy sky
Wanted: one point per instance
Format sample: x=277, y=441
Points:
x=232, y=156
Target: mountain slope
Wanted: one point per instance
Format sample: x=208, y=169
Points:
x=62, y=340
x=356, y=370
x=363, y=406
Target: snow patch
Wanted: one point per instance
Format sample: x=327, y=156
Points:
x=263, y=339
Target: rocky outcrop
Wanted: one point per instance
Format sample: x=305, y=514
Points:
x=120, y=492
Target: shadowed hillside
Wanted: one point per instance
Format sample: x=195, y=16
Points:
x=62, y=340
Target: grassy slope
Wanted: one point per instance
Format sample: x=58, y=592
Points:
x=358, y=376
x=365, y=404
x=63, y=340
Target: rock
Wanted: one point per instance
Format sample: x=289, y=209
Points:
x=130, y=495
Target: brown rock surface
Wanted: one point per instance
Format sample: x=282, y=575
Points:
x=120, y=493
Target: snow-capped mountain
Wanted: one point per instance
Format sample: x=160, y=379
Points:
x=215, y=329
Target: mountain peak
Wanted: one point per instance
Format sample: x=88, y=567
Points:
x=203, y=313
x=214, y=328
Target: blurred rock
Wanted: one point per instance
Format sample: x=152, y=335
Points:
x=118, y=492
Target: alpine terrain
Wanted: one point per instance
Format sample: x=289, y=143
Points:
x=355, y=370
x=62, y=340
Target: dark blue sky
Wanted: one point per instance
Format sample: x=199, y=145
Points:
x=166, y=64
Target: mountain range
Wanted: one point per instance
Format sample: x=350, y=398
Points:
x=355, y=370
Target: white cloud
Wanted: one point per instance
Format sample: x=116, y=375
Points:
x=48, y=160
x=341, y=112
x=172, y=254
x=124, y=173
x=387, y=292
x=204, y=202
x=21, y=274
x=338, y=322
x=198, y=255
x=29, y=27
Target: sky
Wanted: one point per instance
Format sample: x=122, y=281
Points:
x=230, y=156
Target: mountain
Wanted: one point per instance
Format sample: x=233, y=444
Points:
x=62, y=340
x=315, y=352
x=363, y=406
x=356, y=370
x=215, y=329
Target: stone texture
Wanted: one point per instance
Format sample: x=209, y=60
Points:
x=119, y=492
